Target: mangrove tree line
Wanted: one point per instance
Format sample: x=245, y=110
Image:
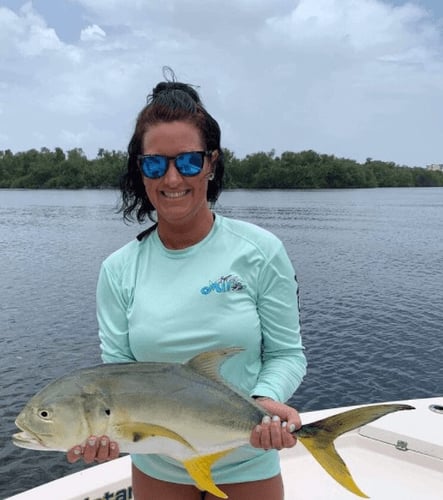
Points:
x=46, y=169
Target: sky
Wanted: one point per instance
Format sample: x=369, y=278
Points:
x=352, y=78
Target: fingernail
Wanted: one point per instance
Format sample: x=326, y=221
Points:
x=92, y=441
x=292, y=428
x=284, y=424
x=266, y=419
x=258, y=429
x=104, y=442
x=276, y=418
x=77, y=451
x=112, y=446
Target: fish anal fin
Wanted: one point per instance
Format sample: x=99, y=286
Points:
x=199, y=468
x=333, y=464
x=208, y=363
x=138, y=431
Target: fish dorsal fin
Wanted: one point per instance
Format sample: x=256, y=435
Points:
x=138, y=431
x=208, y=363
x=199, y=469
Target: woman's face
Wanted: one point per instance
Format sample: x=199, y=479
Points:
x=176, y=198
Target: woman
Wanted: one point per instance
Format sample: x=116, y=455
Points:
x=194, y=282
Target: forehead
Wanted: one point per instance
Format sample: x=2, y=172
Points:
x=171, y=138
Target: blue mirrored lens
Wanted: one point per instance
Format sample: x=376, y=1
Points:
x=189, y=163
x=154, y=166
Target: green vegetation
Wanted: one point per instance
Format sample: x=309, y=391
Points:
x=47, y=169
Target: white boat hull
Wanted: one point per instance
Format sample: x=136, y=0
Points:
x=397, y=457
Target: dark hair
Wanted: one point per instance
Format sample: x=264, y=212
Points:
x=170, y=101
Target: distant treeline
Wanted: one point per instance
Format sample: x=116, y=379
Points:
x=57, y=169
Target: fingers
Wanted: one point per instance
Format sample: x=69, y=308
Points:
x=74, y=454
x=288, y=439
x=94, y=450
x=285, y=412
x=272, y=434
x=276, y=432
x=108, y=450
x=90, y=450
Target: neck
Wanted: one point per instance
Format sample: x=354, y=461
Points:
x=179, y=236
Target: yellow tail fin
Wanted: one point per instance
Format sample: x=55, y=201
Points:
x=319, y=437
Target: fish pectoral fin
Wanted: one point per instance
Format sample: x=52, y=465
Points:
x=199, y=469
x=333, y=464
x=138, y=431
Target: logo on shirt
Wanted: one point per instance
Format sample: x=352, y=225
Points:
x=229, y=283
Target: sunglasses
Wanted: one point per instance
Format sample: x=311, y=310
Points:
x=188, y=164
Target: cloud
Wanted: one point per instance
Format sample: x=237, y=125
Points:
x=26, y=34
x=355, y=76
x=352, y=78
x=92, y=33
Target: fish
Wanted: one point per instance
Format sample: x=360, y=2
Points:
x=183, y=410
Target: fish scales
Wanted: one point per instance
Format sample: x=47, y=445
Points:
x=171, y=393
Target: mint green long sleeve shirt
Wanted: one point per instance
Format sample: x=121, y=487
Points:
x=235, y=288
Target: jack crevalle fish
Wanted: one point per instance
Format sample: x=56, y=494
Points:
x=185, y=411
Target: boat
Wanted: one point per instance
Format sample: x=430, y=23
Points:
x=399, y=456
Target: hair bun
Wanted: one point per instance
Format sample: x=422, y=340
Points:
x=170, y=87
x=174, y=86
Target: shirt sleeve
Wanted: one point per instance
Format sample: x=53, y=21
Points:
x=284, y=362
x=112, y=305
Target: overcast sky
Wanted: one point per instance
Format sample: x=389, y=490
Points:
x=353, y=78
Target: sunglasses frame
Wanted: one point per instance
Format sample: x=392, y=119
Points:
x=203, y=154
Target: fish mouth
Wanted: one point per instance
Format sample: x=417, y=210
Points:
x=27, y=439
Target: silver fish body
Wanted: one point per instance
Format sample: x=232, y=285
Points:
x=123, y=400
x=185, y=411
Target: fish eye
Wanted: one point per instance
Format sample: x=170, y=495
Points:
x=45, y=414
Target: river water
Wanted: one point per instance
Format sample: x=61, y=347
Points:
x=369, y=264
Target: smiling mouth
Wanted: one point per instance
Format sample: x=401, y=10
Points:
x=174, y=194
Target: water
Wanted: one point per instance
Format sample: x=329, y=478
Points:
x=369, y=264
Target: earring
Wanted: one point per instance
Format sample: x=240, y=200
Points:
x=211, y=176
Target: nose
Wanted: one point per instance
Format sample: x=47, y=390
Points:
x=172, y=175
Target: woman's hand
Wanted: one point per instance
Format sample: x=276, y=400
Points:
x=95, y=449
x=275, y=432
